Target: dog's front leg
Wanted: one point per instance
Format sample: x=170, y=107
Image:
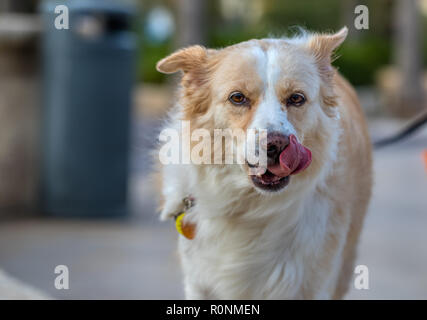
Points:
x=175, y=187
x=173, y=205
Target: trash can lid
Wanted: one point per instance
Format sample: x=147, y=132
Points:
x=109, y=6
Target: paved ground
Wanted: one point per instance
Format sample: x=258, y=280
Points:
x=13, y=289
x=135, y=258
x=393, y=243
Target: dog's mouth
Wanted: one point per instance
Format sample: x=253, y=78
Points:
x=293, y=159
x=269, y=181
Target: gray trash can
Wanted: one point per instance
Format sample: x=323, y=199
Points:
x=88, y=76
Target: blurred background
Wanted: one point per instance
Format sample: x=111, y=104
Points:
x=80, y=109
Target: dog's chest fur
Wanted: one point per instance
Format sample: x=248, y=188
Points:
x=281, y=256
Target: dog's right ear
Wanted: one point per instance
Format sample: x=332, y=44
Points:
x=186, y=60
x=323, y=46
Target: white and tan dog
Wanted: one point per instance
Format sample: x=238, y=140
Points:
x=291, y=232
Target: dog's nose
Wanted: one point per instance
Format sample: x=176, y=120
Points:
x=276, y=143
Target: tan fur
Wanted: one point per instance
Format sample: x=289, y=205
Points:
x=356, y=143
x=316, y=221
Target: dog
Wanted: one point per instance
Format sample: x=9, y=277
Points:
x=290, y=230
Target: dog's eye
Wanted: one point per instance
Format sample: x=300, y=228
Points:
x=237, y=98
x=295, y=100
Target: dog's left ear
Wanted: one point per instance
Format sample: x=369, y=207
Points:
x=186, y=60
x=323, y=47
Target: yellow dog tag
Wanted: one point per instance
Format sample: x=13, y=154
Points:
x=186, y=229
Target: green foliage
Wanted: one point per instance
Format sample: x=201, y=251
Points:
x=359, y=60
x=148, y=55
x=311, y=14
x=361, y=55
x=225, y=36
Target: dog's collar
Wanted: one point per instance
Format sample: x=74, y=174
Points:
x=188, y=230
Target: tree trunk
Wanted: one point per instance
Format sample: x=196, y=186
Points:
x=191, y=22
x=410, y=95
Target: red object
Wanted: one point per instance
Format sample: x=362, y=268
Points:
x=293, y=159
x=425, y=158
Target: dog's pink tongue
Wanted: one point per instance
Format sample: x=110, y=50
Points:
x=295, y=158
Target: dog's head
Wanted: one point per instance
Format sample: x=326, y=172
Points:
x=282, y=87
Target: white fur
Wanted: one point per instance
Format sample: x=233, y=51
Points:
x=270, y=114
x=263, y=247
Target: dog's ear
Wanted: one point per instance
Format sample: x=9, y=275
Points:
x=186, y=60
x=323, y=46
